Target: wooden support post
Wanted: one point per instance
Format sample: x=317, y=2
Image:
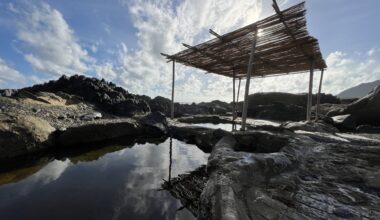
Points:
x=173, y=79
x=233, y=99
x=310, y=95
x=319, y=95
x=237, y=99
x=249, y=72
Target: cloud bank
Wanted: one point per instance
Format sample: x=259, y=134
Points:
x=50, y=45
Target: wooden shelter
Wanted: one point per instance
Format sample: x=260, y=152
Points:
x=277, y=45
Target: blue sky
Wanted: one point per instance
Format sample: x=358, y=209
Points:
x=120, y=40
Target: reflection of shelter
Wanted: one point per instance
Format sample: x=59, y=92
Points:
x=277, y=45
x=170, y=159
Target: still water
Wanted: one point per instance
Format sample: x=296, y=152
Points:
x=223, y=126
x=122, y=183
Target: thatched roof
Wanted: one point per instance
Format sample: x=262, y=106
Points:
x=283, y=46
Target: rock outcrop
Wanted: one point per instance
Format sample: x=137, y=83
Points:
x=22, y=134
x=268, y=98
x=280, y=106
x=105, y=95
x=163, y=105
x=364, y=111
x=99, y=130
x=309, y=177
x=367, y=109
x=277, y=112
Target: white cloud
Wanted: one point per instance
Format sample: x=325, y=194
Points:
x=49, y=44
x=9, y=77
x=345, y=71
x=372, y=51
x=161, y=27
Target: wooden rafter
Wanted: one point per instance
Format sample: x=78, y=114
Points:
x=284, y=46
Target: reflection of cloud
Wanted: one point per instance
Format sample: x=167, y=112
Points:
x=151, y=167
x=123, y=183
x=51, y=172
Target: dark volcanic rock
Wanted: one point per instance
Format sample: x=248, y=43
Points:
x=277, y=112
x=287, y=99
x=368, y=129
x=98, y=131
x=105, y=95
x=163, y=105
x=188, y=188
x=282, y=106
x=367, y=109
x=344, y=122
x=160, y=104
x=7, y=92
x=155, y=121
x=335, y=177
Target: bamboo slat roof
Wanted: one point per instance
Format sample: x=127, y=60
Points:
x=283, y=46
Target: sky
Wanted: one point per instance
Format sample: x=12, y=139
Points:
x=121, y=41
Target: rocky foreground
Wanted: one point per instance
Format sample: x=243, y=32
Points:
x=278, y=169
x=291, y=171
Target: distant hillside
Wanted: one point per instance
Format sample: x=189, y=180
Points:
x=359, y=90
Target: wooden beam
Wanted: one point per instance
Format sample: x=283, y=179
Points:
x=290, y=33
x=212, y=56
x=271, y=65
x=216, y=34
x=185, y=62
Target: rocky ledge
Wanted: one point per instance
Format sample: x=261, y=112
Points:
x=34, y=122
x=301, y=171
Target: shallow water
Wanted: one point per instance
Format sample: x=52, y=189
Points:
x=120, y=184
x=223, y=126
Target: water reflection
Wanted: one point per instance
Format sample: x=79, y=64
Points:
x=118, y=185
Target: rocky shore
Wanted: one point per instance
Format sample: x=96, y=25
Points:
x=282, y=168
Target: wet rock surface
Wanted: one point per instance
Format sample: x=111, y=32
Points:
x=302, y=171
x=188, y=188
x=307, y=178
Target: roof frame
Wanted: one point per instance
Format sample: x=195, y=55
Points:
x=285, y=47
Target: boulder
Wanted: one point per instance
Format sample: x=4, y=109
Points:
x=99, y=130
x=344, y=122
x=23, y=134
x=365, y=110
x=204, y=138
x=160, y=104
x=155, y=122
x=91, y=116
